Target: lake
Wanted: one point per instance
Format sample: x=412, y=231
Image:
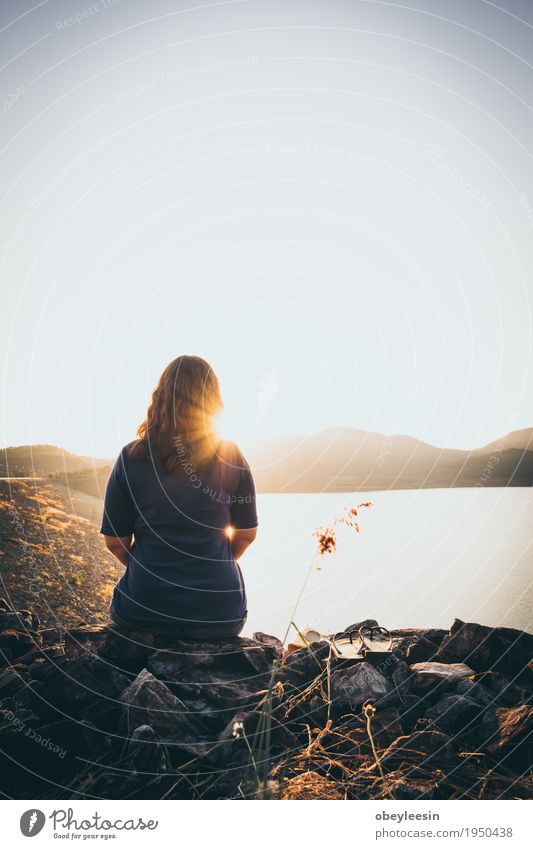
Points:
x=422, y=558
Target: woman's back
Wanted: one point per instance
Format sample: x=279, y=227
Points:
x=181, y=570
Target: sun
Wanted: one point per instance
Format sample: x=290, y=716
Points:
x=233, y=427
x=224, y=428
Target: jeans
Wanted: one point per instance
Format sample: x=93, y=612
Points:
x=208, y=631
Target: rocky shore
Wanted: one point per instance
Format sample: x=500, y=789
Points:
x=95, y=712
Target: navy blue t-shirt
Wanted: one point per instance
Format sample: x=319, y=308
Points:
x=180, y=568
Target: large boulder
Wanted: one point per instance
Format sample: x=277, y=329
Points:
x=16, y=620
x=238, y=656
x=11, y=680
x=504, y=689
x=422, y=643
x=17, y=642
x=475, y=691
x=454, y=714
x=483, y=648
x=148, y=701
x=507, y=734
x=130, y=649
x=421, y=651
x=69, y=684
x=354, y=685
x=436, y=677
x=268, y=640
x=146, y=753
x=303, y=665
x=215, y=693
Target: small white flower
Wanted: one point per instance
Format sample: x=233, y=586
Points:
x=238, y=728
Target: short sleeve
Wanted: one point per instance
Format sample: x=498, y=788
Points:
x=243, y=507
x=119, y=508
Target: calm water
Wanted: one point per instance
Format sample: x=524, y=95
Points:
x=423, y=557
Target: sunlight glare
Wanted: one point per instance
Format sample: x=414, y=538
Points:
x=223, y=427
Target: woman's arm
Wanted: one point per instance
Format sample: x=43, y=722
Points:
x=119, y=546
x=240, y=540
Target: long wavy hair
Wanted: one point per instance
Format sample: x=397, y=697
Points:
x=179, y=424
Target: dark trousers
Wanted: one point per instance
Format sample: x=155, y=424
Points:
x=208, y=631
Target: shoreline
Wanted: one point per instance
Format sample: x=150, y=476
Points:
x=96, y=712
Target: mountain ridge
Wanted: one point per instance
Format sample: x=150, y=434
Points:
x=337, y=459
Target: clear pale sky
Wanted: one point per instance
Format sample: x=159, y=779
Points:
x=330, y=201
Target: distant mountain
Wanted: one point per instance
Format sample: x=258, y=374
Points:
x=334, y=460
x=521, y=439
x=39, y=460
x=346, y=459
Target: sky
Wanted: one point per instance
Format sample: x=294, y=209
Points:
x=332, y=202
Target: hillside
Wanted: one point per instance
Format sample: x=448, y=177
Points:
x=335, y=460
x=346, y=459
x=30, y=460
x=51, y=555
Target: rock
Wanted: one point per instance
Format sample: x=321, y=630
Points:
x=239, y=656
x=412, y=707
x=268, y=640
x=42, y=653
x=388, y=663
x=219, y=692
x=6, y=656
x=76, y=739
x=128, y=648
x=148, y=701
x=404, y=638
x=421, y=650
x=438, y=676
x=146, y=752
x=16, y=620
x=311, y=785
x=50, y=636
x=82, y=681
x=354, y=685
x=421, y=749
x=224, y=674
x=476, y=691
x=508, y=736
x=303, y=665
x=402, y=678
x=10, y=682
x=174, y=704
x=503, y=689
x=18, y=642
x=209, y=690
x=232, y=746
x=386, y=728
x=483, y=648
x=454, y=714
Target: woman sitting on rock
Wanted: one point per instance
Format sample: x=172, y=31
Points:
x=179, y=512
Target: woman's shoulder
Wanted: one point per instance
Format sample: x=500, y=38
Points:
x=132, y=450
x=232, y=455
